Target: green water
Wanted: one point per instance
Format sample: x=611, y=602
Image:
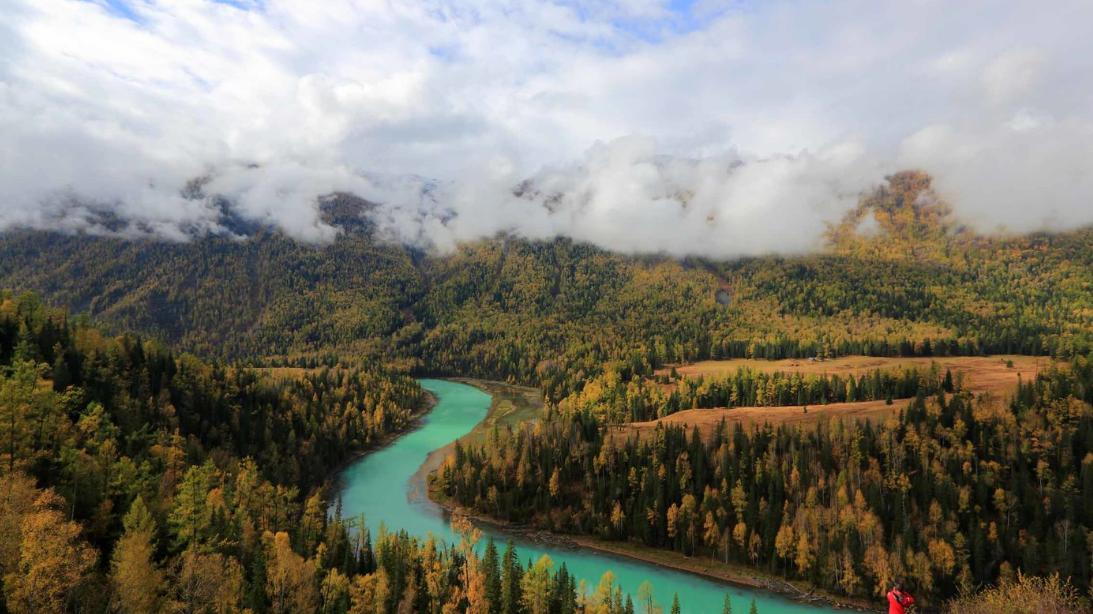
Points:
x=378, y=486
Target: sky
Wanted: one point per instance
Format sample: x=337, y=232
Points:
x=685, y=127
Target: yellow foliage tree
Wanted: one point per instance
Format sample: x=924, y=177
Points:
x=290, y=579
x=208, y=582
x=53, y=560
x=138, y=582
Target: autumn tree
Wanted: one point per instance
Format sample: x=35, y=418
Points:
x=53, y=559
x=535, y=586
x=290, y=579
x=137, y=579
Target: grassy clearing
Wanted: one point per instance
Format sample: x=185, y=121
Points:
x=512, y=405
x=981, y=373
x=707, y=419
x=997, y=375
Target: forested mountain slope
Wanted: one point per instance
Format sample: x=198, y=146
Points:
x=139, y=480
x=133, y=479
x=899, y=277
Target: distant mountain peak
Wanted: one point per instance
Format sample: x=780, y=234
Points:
x=904, y=217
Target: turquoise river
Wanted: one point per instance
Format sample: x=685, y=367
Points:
x=379, y=487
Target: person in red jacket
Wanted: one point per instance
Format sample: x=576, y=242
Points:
x=899, y=600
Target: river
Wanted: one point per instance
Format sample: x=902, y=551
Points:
x=378, y=486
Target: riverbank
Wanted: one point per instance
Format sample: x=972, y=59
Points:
x=737, y=575
x=417, y=417
x=512, y=405
x=734, y=575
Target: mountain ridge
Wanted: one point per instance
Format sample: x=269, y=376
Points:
x=501, y=307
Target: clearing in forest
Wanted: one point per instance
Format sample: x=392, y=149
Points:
x=981, y=373
x=995, y=374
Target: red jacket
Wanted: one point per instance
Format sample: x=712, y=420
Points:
x=897, y=601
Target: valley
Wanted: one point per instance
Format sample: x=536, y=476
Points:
x=820, y=425
x=460, y=410
x=546, y=307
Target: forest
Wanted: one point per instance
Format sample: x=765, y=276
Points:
x=170, y=413
x=138, y=481
x=959, y=491
x=618, y=401
x=147, y=481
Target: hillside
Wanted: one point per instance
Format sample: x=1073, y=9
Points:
x=599, y=333
x=515, y=309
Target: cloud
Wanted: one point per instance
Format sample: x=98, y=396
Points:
x=624, y=196
x=638, y=126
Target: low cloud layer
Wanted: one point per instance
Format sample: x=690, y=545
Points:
x=718, y=130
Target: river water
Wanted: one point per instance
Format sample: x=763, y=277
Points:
x=378, y=486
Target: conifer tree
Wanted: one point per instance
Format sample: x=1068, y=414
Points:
x=491, y=569
x=138, y=582
x=53, y=562
x=510, y=581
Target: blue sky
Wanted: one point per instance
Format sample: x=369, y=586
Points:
x=122, y=9
x=130, y=10
x=677, y=16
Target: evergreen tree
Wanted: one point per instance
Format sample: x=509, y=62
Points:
x=138, y=582
x=491, y=569
x=510, y=581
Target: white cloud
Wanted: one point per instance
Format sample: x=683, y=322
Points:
x=1012, y=74
x=731, y=131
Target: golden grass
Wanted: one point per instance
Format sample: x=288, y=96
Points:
x=981, y=374
x=511, y=406
x=707, y=419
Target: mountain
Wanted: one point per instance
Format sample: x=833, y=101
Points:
x=899, y=277
x=949, y=488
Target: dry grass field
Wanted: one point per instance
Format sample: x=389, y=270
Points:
x=992, y=374
x=980, y=372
